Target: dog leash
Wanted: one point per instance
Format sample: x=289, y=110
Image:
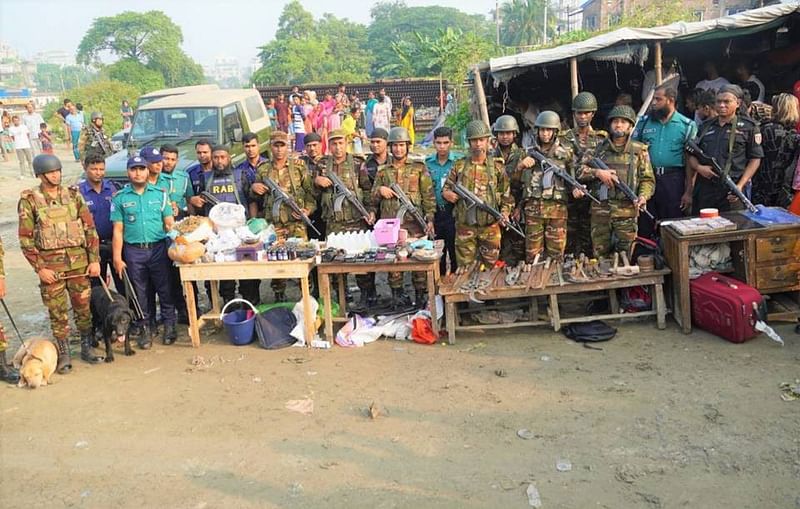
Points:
x=13, y=323
x=130, y=293
x=105, y=287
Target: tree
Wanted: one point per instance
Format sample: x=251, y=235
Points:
x=149, y=38
x=53, y=78
x=522, y=22
x=394, y=21
x=305, y=50
x=103, y=96
x=132, y=72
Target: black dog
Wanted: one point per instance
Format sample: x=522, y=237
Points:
x=111, y=317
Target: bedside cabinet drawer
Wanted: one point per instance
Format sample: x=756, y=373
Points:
x=778, y=276
x=779, y=247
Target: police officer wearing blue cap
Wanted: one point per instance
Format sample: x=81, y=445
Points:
x=155, y=176
x=142, y=214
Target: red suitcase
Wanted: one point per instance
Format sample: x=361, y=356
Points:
x=725, y=306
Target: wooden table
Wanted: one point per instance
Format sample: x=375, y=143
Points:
x=654, y=278
x=216, y=272
x=762, y=256
x=325, y=270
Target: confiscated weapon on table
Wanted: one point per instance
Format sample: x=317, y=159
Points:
x=341, y=192
x=474, y=203
x=281, y=197
x=552, y=170
x=407, y=206
x=626, y=190
x=693, y=149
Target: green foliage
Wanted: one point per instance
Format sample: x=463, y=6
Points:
x=103, y=96
x=305, y=50
x=394, y=23
x=522, y=22
x=132, y=72
x=656, y=14
x=459, y=121
x=149, y=38
x=52, y=78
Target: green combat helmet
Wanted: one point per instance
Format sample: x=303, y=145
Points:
x=622, y=111
x=477, y=129
x=96, y=115
x=549, y=120
x=506, y=123
x=45, y=163
x=398, y=135
x=584, y=101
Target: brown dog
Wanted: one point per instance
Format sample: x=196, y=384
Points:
x=36, y=361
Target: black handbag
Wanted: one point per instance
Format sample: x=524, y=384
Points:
x=590, y=332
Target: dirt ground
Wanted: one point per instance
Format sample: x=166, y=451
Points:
x=656, y=419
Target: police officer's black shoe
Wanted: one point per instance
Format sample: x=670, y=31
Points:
x=87, y=353
x=7, y=373
x=144, y=340
x=170, y=334
x=64, y=365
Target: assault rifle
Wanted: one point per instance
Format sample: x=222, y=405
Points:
x=693, y=149
x=598, y=163
x=552, y=170
x=103, y=144
x=281, y=198
x=342, y=192
x=474, y=203
x=407, y=206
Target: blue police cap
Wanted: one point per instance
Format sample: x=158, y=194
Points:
x=135, y=161
x=151, y=154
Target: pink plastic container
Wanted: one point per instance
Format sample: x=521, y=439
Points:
x=386, y=231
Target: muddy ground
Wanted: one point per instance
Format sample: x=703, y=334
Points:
x=656, y=419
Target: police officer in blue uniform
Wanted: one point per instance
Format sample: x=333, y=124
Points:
x=229, y=185
x=97, y=192
x=142, y=214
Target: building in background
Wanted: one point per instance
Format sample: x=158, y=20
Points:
x=55, y=57
x=602, y=14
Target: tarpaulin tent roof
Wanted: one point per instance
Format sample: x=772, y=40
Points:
x=629, y=44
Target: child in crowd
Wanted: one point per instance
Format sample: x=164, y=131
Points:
x=45, y=139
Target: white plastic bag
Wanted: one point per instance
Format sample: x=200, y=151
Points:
x=299, y=330
x=227, y=216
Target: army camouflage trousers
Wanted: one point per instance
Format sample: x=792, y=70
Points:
x=54, y=297
x=283, y=232
x=611, y=234
x=579, y=235
x=545, y=228
x=365, y=282
x=512, y=247
x=477, y=243
x=417, y=278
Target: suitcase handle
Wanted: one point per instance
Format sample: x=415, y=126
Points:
x=725, y=282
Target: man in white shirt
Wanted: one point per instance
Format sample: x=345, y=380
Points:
x=745, y=73
x=22, y=144
x=32, y=121
x=382, y=113
x=713, y=80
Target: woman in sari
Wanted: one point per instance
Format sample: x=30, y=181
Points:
x=407, y=117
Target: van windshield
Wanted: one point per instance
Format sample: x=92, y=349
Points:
x=175, y=123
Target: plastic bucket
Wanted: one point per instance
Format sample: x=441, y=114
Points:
x=240, y=324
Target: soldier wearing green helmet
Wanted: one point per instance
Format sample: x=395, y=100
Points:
x=93, y=139
x=416, y=183
x=506, y=129
x=484, y=175
x=581, y=138
x=614, y=223
x=545, y=200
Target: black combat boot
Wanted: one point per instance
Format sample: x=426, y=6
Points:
x=401, y=300
x=372, y=297
x=144, y=340
x=421, y=300
x=170, y=334
x=87, y=353
x=7, y=373
x=64, y=361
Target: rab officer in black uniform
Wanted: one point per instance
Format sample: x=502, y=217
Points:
x=734, y=141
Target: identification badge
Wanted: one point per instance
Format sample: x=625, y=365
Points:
x=757, y=138
x=131, y=218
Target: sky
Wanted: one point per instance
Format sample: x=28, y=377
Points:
x=211, y=29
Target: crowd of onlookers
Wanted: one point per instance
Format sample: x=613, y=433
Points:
x=304, y=112
x=24, y=136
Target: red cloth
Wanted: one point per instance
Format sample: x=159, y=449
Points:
x=794, y=208
x=422, y=331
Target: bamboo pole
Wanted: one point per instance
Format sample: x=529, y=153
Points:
x=573, y=75
x=658, y=57
x=482, y=108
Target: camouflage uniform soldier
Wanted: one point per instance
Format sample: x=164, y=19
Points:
x=581, y=139
x=349, y=169
x=7, y=373
x=506, y=129
x=57, y=237
x=93, y=139
x=546, y=207
x=485, y=177
x=416, y=183
x=292, y=176
x=628, y=161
